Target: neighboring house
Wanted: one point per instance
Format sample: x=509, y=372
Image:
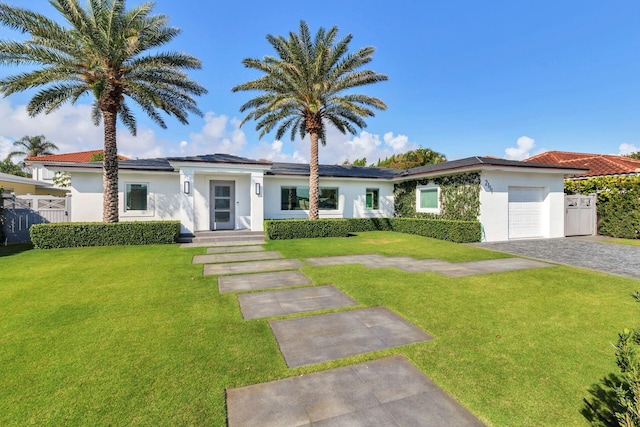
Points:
x=21, y=186
x=597, y=164
x=615, y=180
x=218, y=191
x=37, y=164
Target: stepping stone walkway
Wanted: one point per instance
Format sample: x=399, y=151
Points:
x=384, y=392
x=244, y=256
x=255, y=282
x=251, y=267
x=280, y=303
x=449, y=269
x=324, y=337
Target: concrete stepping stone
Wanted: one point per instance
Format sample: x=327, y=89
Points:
x=252, y=242
x=245, y=256
x=450, y=269
x=254, y=282
x=251, y=267
x=491, y=266
x=324, y=337
x=283, y=302
x=234, y=249
x=384, y=392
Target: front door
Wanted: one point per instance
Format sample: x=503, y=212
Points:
x=223, y=200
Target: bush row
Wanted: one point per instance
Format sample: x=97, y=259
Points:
x=453, y=231
x=74, y=234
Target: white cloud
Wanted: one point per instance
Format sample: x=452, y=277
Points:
x=625, y=148
x=219, y=135
x=522, y=151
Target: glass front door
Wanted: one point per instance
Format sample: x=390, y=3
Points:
x=222, y=205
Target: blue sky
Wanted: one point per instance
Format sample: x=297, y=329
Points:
x=500, y=78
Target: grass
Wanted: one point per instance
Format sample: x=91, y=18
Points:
x=137, y=336
x=630, y=242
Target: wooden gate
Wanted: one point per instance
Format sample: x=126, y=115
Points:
x=580, y=215
x=21, y=212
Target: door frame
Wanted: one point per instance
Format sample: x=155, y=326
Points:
x=212, y=205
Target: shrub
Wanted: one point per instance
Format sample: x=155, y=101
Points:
x=453, y=231
x=74, y=234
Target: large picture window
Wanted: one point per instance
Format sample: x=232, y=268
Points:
x=428, y=200
x=294, y=198
x=136, y=196
x=372, y=197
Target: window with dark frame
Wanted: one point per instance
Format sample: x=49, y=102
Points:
x=297, y=198
x=136, y=197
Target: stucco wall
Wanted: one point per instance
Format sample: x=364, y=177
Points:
x=494, y=202
x=163, y=200
x=351, y=198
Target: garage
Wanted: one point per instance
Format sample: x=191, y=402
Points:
x=526, y=212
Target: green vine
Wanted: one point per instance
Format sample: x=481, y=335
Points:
x=1, y=216
x=618, y=203
x=459, y=197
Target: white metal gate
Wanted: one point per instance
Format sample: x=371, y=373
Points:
x=580, y=215
x=21, y=212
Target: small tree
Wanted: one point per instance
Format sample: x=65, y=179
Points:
x=628, y=393
x=7, y=166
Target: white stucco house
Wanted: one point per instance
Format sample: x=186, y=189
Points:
x=219, y=192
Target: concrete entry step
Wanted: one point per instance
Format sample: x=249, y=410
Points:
x=234, y=249
x=315, y=339
x=251, y=267
x=248, y=256
x=217, y=243
x=384, y=392
x=221, y=235
x=290, y=301
x=260, y=281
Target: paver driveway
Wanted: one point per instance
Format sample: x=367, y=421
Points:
x=623, y=260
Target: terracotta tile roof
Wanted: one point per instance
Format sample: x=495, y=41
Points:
x=598, y=164
x=77, y=157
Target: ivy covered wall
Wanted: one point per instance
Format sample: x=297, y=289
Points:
x=618, y=203
x=459, y=197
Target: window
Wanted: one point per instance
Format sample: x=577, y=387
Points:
x=136, y=197
x=372, y=197
x=428, y=200
x=297, y=198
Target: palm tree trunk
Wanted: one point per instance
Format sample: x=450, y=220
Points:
x=110, y=169
x=314, y=179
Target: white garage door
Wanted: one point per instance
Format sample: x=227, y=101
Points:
x=525, y=212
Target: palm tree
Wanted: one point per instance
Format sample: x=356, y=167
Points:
x=32, y=146
x=103, y=51
x=303, y=90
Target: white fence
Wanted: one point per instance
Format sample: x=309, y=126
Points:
x=21, y=212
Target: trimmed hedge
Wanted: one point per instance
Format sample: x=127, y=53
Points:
x=75, y=234
x=453, y=231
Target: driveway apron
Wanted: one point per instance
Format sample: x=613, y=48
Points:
x=622, y=260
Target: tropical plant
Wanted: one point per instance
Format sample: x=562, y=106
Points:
x=412, y=159
x=304, y=89
x=32, y=146
x=635, y=155
x=628, y=360
x=104, y=51
x=7, y=166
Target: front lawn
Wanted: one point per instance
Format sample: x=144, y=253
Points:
x=137, y=336
x=630, y=242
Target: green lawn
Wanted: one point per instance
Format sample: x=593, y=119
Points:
x=630, y=242
x=137, y=336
